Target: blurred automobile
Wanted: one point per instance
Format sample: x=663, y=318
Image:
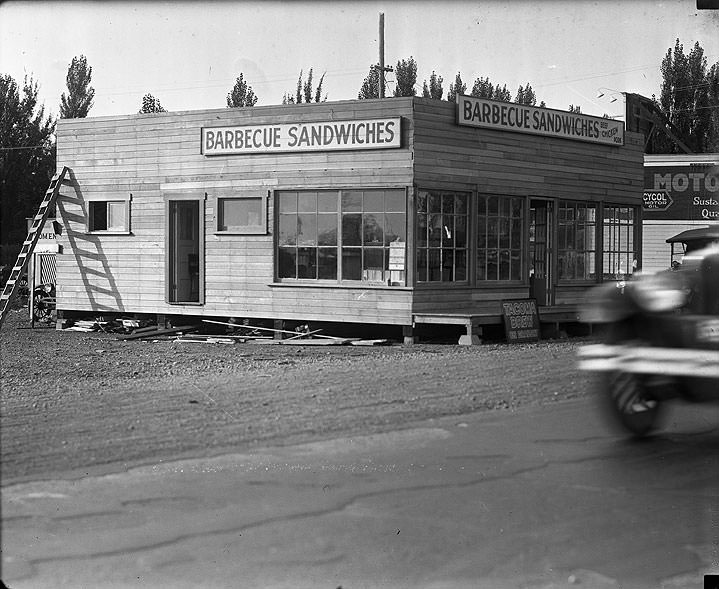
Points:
x=690, y=241
x=661, y=339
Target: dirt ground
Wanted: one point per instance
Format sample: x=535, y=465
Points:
x=73, y=402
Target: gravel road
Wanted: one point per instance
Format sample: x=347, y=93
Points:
x=72, y=403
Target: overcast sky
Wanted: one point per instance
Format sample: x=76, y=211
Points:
x=188, y=54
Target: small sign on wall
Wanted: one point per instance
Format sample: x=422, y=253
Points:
x=521, y=320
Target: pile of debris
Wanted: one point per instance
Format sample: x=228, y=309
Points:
x=244, y=332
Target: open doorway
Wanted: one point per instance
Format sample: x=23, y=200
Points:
x=184, y=251
x=540, y=251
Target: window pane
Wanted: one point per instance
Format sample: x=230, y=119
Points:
x=492, y=264
x=435, y=230
x=504, y=230
x=504, y=264
x=116, y=216
x=516, y=229
x=516, y=265
x=306, y=229
x=351, y=234
x=307, y=202
x=482, y=205
x=286, y=263
x=460, y=265
x=238, y=213
x=327, y=229
x=351, y=201
x=422, y=202
x=448, y=203
x=492, y=205
x=394, y=227
x=460, y=231
x=373, y=267
x=434, y=202
x=447, y=230
x=327, y=263
x=287, y=202
x=373, y=232
x=422, y=265
x=373, y=201
x=435, y=265
x=422, y=231
x=447, y=265
x=395, y=201
x=288, y=230
x=351, y=263
x=306, y=262
x=98, y=216
x=460, y=206
x=327, y=202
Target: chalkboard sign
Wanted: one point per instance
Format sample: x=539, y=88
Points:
x=521, y=320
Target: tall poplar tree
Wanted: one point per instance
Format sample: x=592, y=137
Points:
x=370, y=86
x=686, y=100
x=459, y=87
x=434, y=89
x=304, y=91
x=406, y=76
x=525, y=95
x=78, y=101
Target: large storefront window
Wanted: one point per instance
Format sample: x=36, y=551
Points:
x=576, y=240
x=500, y=226
x=442, y=236
x=619, y=250
x=351, y=235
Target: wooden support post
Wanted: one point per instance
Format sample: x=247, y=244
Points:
x=161, y=321
x=408, y=335
x=279, y=325
x=472, y=337
x=59, y=319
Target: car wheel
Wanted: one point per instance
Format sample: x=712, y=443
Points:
x=629, y=404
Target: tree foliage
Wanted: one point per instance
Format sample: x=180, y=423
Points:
x=434, y=89
x=459, y=87
x=304, y=92
x=27, y=160
x=241, y=94
x=370, y=86
x=151, y=104
x=78, y=101
x=688, y=98
x=525, y=95
x=406, y=76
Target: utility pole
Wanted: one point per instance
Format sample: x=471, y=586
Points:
x=381, y=67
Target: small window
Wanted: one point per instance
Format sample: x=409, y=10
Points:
x=246, y=214
x=109, y=215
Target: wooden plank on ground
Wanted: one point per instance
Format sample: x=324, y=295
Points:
x=150, y=334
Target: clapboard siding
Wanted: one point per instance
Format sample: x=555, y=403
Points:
x=154, y=157
x=521, y=164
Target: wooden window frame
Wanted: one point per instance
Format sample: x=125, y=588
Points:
x=522, y=249
x=93, y=200
x=340, y=279
x=560, y=247
x=260, y=229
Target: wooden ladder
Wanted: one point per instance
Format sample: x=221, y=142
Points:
x=28, y=246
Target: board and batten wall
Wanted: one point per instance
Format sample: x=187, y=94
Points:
x=155, y=156
x=484, y=161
